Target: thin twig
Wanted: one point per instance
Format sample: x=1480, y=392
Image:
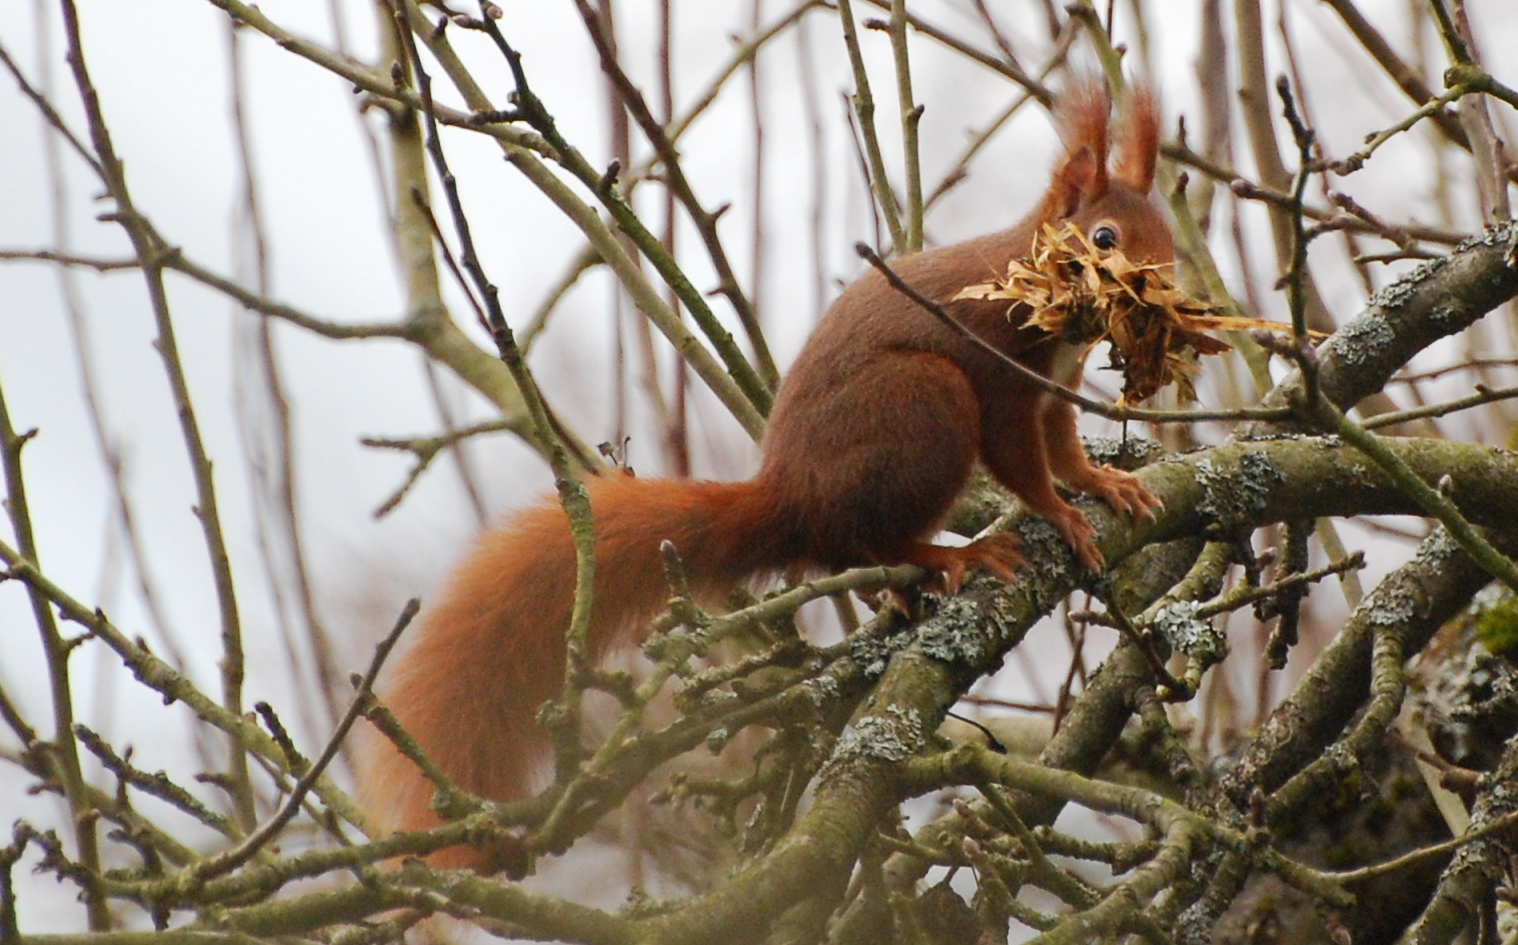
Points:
x=1310, y=402
x=746, y=401
x=1406, y=77
x=536, y=113
x=674, y=178
x=50, y=114
x=864, y=110
x=1437, y=851
x=65, y=753
x=1483, y=395
x=1373, y=143
x=1433, y=501
x=584, y=262
x=1469, y=364
x=1296, y=269
x=152, y=254
x=911, y=119
x=980, y=139
x=275, y=474
x=231, y=859
x=1251, y=190
x=1173, y=689
x=1004, y=66
x=572, y=494
x=426, y=449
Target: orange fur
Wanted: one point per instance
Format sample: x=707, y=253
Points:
x=873, y=434
x=1082, y=115
x=492, y=650
x=1139, y=140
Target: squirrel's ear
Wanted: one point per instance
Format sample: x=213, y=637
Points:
x=1139, y=140
x=1082, y=114
x=1078, y=180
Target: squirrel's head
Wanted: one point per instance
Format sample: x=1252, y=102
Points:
x=1103, y=181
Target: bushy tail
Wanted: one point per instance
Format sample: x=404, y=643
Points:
x=490, y=651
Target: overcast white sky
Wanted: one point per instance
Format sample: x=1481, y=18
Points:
x=162, y=70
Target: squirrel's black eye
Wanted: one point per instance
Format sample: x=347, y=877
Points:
x=1104, y=237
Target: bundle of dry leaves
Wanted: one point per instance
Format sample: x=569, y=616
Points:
x=1084, y=295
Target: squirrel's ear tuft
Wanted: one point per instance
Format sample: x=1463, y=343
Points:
x=1078, y=181
x=1082, y=115
x=1139, y=140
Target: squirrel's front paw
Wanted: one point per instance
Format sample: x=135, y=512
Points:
x=1121, y=490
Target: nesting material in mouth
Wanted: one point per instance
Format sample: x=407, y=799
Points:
x=1084, y=295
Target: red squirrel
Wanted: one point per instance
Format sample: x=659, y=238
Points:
x=872, y=436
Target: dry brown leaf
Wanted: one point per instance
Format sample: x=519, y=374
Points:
x=1082, y=295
